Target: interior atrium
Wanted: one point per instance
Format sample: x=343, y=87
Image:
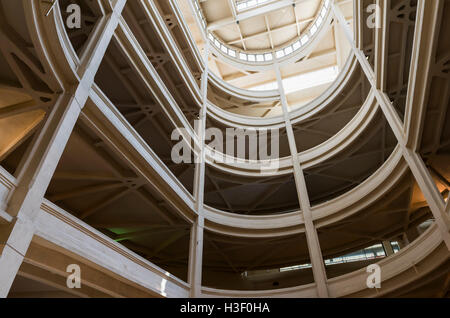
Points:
x=97, y=96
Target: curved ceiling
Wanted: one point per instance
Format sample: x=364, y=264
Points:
x=260, y=27
x=300, y=35
x=115, y=175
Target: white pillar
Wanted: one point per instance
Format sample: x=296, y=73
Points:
x=196, y=242
x=37, y=170
x=196, y=258
x=428, y=10
x=388, y=248
x=315, y=253
x=24, y=204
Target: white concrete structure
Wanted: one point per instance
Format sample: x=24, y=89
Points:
x=87, y=178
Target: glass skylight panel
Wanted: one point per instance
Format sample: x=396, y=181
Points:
x=224, y=49
x=264, y=57
x=304, y=39
x=280, y=54
x=319, y=21
x=247, y=4
x=288, y=50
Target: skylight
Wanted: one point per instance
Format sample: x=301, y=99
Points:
x=242, y=5
x=262, y=57
x=311, y=79
x=302, y=81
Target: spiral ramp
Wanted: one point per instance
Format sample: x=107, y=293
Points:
x=87, y=117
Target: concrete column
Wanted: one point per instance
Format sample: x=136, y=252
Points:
x=388, y=248
x=358, y=22
x=429, y=11
x=34, y=178
x=37, y=169
x=315, y=253
x=380, y=43
x=196, y=258
x=196, y=242
x=403, y=241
